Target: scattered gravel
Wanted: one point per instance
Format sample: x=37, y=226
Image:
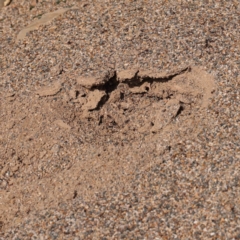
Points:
x=172, y=185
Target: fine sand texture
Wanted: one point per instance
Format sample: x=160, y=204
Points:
x=119, y=119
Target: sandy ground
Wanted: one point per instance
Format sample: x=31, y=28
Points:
x=119, y=120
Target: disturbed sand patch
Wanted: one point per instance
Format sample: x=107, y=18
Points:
x=151, y=98
x=66, y=139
